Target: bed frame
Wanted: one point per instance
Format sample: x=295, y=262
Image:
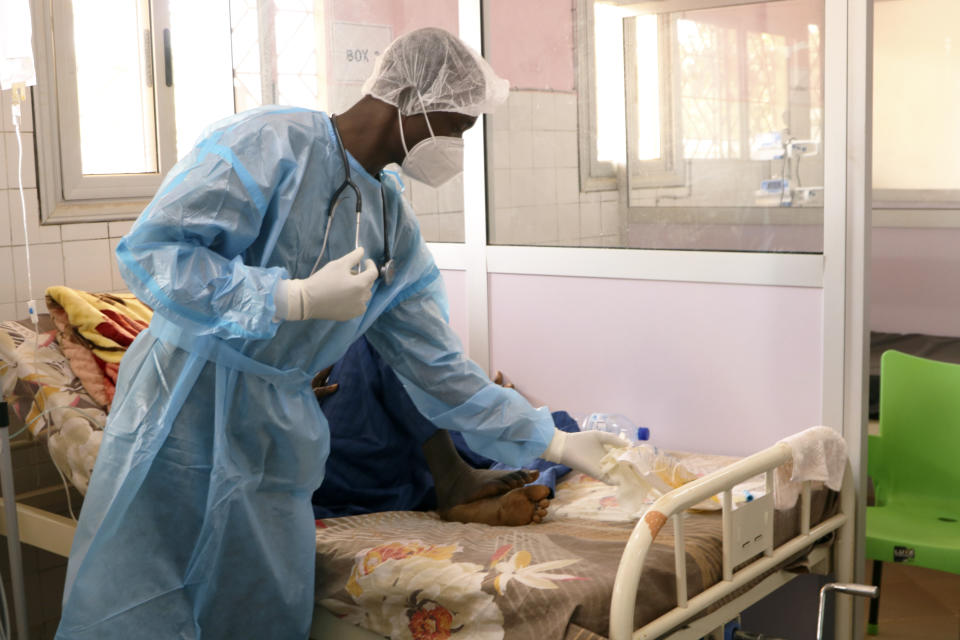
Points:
x=747, y=535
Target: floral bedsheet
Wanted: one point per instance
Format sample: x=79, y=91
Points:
x=410, y=575
x=48, y=399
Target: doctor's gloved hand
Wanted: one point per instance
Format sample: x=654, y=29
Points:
x=332, y=293
x=581, y=451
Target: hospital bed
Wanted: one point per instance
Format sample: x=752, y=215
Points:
x=586, y=573
x=671, y=574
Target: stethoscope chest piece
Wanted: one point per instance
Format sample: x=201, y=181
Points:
x=388, y=271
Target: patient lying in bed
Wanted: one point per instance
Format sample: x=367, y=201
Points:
x=385, y=456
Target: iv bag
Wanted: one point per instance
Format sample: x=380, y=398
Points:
x=16, y=53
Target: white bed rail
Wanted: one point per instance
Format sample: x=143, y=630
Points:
x=747, y=533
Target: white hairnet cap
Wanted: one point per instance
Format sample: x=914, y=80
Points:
x=435, y=66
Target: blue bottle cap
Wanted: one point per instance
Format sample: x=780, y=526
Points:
x=643, y=433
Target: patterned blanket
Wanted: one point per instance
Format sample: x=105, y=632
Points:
x=412, y=576
x=95, y=330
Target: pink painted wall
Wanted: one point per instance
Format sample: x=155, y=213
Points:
x=720, y=368
x=403, y=16
x=530, y=42
x=915, y=281
x=456, y=283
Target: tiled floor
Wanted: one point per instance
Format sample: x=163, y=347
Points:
x=918, y=604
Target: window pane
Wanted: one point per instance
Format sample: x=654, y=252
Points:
x=202, y=69
x=317, y=54
x=114, y=87
x=915, y=92
x=722, y=129
x=608, y=82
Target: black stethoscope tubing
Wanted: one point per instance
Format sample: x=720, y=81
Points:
x=388, y=268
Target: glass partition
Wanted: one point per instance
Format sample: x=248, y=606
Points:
x=695, y=129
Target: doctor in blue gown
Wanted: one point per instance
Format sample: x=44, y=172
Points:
x=197, y=522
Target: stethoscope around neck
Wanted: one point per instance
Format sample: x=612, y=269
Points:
x=388, y=269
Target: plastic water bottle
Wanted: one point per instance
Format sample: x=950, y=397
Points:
x=618, y=425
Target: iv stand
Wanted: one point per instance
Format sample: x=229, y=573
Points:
x=13, y=530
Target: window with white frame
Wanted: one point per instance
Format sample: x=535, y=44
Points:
x=737, y=86
x=699, y=127
x=126, y=87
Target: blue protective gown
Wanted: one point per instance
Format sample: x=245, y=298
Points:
x=197, y=522
x=373, y=424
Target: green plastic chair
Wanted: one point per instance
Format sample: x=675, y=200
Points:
x=915, y=466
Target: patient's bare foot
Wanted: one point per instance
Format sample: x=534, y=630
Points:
x=515, y=508
x=465, y=484
x=457, y=482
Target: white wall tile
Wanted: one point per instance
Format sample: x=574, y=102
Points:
x=450, y=227
x=568, y=221
x=429, y=227
x=611, y=195
x=8, y=311
x=544, y=148
x=87, y=265
x=500, y=121
x=29, y=171
x=450, y=196
x=545, y=220
x=566, y=149
x=566, y=114
x=8, y=292
x=610, y=217
x=120, y=228
x=47, y=263
x=521, y=149
x=3, y=162
x=525, y=226
x=84, y=231
x=503, y=229
x=26, y=112
x=543, y=111
x=116, y=280
x=502, y=194
x=520, y=108
x=5, y=238
x=545, y=186
x=501, y=149
x=40, y=234
x=590, y=224
x=522, y=188
x=423, y=197
x=568, y=185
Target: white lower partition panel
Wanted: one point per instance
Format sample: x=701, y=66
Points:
x=707, y=367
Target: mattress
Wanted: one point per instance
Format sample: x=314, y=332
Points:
x=412, y=575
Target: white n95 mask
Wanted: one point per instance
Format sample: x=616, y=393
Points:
x=434, y=160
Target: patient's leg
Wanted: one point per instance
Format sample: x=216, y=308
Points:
x=461, y=488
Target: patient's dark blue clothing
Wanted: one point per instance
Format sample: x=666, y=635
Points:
x=376, y=434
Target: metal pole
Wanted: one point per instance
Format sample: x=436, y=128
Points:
x=13, y=531
x=862, y=590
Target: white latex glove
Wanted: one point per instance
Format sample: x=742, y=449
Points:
x=581, y=451
x=332, y=293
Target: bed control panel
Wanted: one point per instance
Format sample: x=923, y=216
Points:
x=752, y=529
